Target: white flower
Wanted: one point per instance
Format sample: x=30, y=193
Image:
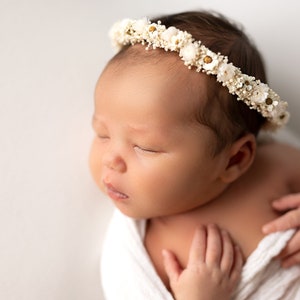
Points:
x=117, y=35
x=279, y=111
x=226, y=72
x=171, y=39
x=271, y=104
x=179, y=41
x=169, y=34
x=260, y=93
x=140, y=25
x=210, y=61
x=280, y=114
x=189, y=52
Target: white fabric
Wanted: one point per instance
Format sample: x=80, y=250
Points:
x=262, y=276
x=127, y=271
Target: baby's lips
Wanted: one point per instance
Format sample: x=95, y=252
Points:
x=114, y=193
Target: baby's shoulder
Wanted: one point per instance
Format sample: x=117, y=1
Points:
x=279, y=156
x=281, y=152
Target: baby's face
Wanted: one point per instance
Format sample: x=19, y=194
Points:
x=148, y=155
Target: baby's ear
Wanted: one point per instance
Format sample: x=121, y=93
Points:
x=240, y=158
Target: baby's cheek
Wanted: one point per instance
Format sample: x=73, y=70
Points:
x=95, y=162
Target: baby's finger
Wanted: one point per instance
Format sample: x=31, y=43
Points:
x=237, y=266
x=289, y=220
x=214, y=246
x=198, y=247
x=291, y=247
x=171, y=265
x=291, y=260
x=287, y=202
x=228, y=253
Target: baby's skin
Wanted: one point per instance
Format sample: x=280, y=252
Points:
x=213, y=269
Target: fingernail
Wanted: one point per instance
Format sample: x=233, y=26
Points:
x=265, y=229
x=164, y=252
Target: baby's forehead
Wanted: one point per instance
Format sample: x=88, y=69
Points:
x=167, y=63
x=139, y=54
x=163, y=76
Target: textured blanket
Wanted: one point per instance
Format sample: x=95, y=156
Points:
x=127, y=271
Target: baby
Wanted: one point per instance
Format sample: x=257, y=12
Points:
x=176, y=147
x=215, y=263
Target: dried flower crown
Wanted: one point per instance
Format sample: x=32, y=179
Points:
x=253, y=92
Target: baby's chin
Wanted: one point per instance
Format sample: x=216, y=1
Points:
x=130, y=213
x=135, y=213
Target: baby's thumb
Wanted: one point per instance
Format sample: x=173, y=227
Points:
x=171, y=265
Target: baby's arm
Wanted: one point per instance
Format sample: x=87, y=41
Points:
x=287, y=159
x=213, y=268
x=291, y=219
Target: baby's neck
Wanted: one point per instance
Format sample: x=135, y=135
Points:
x=233, y=211
x=211, y=212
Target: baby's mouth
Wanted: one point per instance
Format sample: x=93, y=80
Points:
x=113, y=193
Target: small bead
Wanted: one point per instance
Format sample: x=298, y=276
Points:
x=281, y=117
x=152, y=28
x=207, y=59
x=269, y=101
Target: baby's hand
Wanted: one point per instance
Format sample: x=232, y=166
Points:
x=291, y=219
x=213, y=268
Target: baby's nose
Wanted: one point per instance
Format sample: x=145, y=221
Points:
x=114, y=162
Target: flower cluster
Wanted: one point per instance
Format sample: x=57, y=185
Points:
x=254, y=93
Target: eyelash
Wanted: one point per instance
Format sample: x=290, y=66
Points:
x=144, y=149
x=102, y=137
x=137, y=147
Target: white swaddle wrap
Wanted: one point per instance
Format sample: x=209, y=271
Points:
x=127, y=271
x=262, y=276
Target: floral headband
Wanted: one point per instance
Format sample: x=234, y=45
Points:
x=253, y=92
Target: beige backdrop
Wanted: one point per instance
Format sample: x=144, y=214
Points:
x=52, y=217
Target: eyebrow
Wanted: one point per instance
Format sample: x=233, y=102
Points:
x=139, y=129
x=97, y=119
x=133, y=128
x=97, y=122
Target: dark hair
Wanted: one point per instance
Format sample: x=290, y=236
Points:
x=221, y=35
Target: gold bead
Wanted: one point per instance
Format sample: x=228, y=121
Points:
x=152, y=28
x=207, y=59
x=269, y=101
